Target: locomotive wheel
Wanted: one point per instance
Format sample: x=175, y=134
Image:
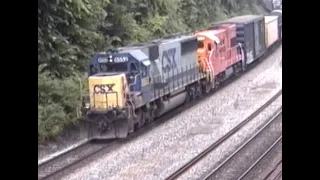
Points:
x=243, y=66
x=237, y=69
x=193, y=92
x=121, y=128
x=199, y=91
x=216, y=85
x=103, y=124
x=141, y=118
x=189, y=96
x=208, y=88
x=150, y=116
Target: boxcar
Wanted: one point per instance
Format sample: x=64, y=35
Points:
x=251, y=33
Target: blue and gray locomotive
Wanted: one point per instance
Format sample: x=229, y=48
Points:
x=131, y=86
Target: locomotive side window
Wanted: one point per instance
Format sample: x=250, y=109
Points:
x=104, y=67
x=133, y=68
x=209, y=47
x=188, y=46
x=118, y=67
x=144, y=71
x=200, y=44
x=154, y=52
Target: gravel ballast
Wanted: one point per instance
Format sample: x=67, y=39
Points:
x=161, y=151
x=70, y=138
x=249, y=153
x=229, y=146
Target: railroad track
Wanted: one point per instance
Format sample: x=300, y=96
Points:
x=212, y=147
x=242, y=148
x=57, y=164
x=254, y=165
x=278, y=176
x=274, y=172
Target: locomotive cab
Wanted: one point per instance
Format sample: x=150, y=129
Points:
x=207, y=49
x=115, y=77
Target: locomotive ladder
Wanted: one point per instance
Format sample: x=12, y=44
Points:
x=209, y=64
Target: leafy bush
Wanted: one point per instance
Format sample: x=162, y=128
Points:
x=58, y=103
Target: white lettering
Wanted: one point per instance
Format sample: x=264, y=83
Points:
x=102, y=59
x=121, y=59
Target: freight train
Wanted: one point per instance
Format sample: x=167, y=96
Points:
x=133, y=85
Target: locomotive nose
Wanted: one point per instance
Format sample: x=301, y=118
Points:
x=107, y=92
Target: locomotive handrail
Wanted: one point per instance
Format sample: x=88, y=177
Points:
x=234, y=50
x=135, y=81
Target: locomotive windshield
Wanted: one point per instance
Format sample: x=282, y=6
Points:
x=200, y=44
x=106, y=67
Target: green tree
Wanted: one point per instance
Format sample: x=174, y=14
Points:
x=67, y=34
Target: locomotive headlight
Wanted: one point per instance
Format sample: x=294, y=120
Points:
x=110, y=58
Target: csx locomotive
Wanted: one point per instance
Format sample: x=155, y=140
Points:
x=133, y=85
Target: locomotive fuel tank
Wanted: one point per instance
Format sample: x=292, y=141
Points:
x=171, y=103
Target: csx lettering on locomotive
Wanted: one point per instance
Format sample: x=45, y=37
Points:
x=169, y=56
x=103, y=88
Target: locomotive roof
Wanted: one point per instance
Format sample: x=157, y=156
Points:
x=245, y=19
x=135, y=53
x=210, y=34
x=173, y=38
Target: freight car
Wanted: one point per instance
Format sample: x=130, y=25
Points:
x=131, y=86
x=250, y=33
x=271, y=31
x=278, y=13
